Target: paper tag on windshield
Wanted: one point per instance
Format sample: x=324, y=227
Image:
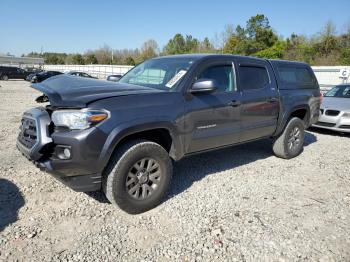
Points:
x=176, y=78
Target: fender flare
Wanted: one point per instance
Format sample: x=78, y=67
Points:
x=129, y=128
x=284, y=119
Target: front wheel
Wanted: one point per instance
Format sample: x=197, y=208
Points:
x=291, y=142
x=138, y=176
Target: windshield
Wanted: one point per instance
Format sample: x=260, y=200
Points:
x=339, y=91
x=162, y=73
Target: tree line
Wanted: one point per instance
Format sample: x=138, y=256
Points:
x=256, y=38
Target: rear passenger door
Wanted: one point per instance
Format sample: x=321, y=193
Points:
x=259, y=97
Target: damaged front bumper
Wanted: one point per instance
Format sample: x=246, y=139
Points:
x=80, y=171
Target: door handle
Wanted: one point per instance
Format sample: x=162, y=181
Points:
x=272, y=100
x=234, y=103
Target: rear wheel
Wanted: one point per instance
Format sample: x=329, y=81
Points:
x=4, y=77
x=291, y=142
x=138, y=176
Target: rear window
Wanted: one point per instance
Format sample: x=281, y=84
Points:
x=300, y=77
x=253, y=77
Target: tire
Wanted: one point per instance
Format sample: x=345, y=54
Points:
x=132, y=166
x=4, y=77
x=291, y=142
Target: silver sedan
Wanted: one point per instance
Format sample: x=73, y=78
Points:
x=335, y=109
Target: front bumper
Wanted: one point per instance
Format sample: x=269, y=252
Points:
x=82, y=170
x=336, y=123
x=80, y=183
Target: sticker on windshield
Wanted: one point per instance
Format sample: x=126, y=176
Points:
x=176, y=78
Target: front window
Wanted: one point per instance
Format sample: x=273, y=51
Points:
x=339, y=91
x=222, y=75
x=161, y=73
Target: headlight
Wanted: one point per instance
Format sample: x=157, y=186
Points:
x=78, y=119
x=347, y=115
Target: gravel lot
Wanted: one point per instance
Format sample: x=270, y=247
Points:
x=236, y=204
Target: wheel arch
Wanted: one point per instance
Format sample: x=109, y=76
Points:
x=163, y=133
x=300, y=111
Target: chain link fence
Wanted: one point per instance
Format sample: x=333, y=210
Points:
x=99, y=71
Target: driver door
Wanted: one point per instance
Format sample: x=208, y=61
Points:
x=213, y=118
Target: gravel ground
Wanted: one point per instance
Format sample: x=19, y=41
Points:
x=236, y=204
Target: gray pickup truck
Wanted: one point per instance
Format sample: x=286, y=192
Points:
x=123, y=137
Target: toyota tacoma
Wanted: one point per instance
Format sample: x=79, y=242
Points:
x=123, y=137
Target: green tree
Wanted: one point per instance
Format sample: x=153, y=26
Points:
x=176, y=45
x=327, y=46
x=77, y=59
x=260, y=34
x=104, y=55
x=344, y=57
x=182, y=45
x=255, y=24
x=91, y=59
x=274, y=52
x=191, y=44
x=256, y=36
x=149, y=49
x=329, y=42
x=53, y=59
x=231, y=44
x=298, y=48
x=344, y=40
x=206, y=46
x=240, y=32
x=130, y=61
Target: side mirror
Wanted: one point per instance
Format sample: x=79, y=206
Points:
x=204, y=86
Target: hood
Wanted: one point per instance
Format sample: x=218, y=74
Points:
x=337, y=103
x=72, y=91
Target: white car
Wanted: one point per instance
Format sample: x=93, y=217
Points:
x=335, y=109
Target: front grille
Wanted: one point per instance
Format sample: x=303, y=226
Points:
x=325, y=124
x=28, y=133
x=332, y=112
x=345, y=126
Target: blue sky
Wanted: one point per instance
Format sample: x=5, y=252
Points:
x=76, y=26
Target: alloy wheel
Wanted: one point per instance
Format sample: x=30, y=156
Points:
x=294, y=139
x=143, y=178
